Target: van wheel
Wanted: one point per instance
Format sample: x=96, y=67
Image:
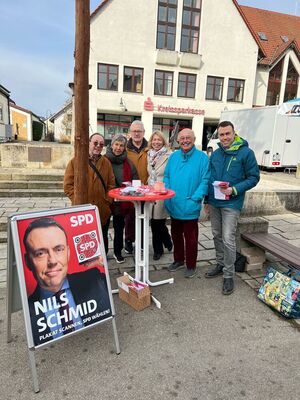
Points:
x=209, y=151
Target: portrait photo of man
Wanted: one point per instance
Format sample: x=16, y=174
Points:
x=61, y=302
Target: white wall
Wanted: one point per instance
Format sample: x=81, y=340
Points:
x=124, y=33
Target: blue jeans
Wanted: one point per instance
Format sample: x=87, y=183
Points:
x=223, y=225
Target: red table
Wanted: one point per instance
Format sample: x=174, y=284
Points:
x=142, y=256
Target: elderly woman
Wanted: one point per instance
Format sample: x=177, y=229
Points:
x=158, y=155
x=124, y=171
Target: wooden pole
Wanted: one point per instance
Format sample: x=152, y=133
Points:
x=81, y=100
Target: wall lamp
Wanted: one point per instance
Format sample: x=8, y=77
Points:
x=123, y=105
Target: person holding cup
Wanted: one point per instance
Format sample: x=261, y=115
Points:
x=124, y=172
x=158, y=154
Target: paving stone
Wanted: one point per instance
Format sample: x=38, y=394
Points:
x=243, y=275
x=3, y=263
x=3, y=276
x=277, y=217
x=258, y=273
x=208, y=244
x=272, y=229
x=206, y=255
x=288, y=227
x=253, y=284
x=203, y=264
x=295, y=242
x=290, y=235
x=206, y=232
x=206, y=223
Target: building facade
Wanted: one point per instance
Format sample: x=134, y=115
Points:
x=5, y=126
x=173, y=64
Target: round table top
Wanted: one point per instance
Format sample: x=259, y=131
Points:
x=115, y=194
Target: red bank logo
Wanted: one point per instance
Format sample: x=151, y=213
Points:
x=87, y=246
x=148, y=104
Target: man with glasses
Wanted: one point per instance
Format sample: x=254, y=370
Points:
x=137, y=153
x=99, y=181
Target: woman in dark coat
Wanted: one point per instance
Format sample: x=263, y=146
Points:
x=124, y=171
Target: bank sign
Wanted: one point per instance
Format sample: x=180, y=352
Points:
x=149, y=106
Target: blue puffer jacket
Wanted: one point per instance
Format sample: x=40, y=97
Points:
x=188, y=175
x=236, y=165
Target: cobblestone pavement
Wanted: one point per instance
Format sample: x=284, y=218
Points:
x=287, y=226
x=199, y=345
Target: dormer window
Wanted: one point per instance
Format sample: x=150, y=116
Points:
x=263, y=36
x=284, y=38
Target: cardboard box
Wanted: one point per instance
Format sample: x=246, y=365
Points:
x=131, y=292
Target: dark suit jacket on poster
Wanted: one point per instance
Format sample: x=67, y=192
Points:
x=85, y=286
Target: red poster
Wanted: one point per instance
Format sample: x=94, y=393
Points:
x=64, y=272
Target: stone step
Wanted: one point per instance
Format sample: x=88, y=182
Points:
x=29, y=176
x=24, y=184
x=32, y=193
x=3, y=236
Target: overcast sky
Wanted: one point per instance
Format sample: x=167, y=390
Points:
x=37, y=45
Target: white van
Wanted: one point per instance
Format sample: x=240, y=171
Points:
x=273, y=133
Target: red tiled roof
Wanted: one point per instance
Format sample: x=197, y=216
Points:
x=274, y=25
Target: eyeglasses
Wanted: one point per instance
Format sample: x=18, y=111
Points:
x=136, y=131
x=101, y=144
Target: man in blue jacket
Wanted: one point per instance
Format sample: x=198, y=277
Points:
x=235, y=166
x=187, y=173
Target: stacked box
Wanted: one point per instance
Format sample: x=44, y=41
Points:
x=134, y=293
x=255, y=258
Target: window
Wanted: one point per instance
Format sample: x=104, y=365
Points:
x=163, y=83
x=166, y=24
x=133, y=80
x=190, y=26
x=186, y=85
x=274, y=84
x=1, y=112
x=108, y=76
x=291, y=86
x=235, y=90
x=168, y=125
x=214, y=88
x=109, y=125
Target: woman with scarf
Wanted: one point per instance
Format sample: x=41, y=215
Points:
x=124, y=171
x=158, y=155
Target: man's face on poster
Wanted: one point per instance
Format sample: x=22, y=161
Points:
x=48, y=256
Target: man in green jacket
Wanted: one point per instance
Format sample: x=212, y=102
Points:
x=234, y=170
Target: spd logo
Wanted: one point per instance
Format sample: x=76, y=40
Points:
x=87, y=246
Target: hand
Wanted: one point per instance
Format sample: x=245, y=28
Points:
x=206, y=208
x=226, y=191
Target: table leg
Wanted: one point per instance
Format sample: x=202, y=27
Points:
x=142, y=260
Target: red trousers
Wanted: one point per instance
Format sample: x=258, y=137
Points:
x=185, y=239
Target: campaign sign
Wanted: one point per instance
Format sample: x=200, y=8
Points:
x=63, y=272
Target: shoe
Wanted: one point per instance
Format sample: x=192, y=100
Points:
x=175, y=266
x=228, y=285
x=190, y=272
x=170, y=248
x=218, y=270
x=156, y=256
x=128, y=247
x=119, y=258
